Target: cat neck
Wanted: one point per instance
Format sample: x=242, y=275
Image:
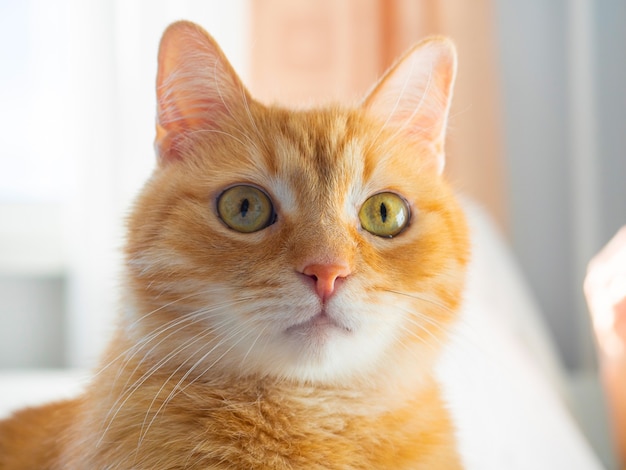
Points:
x=396, y=378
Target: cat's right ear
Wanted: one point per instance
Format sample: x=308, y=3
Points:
x=196, y=88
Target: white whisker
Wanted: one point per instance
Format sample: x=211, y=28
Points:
x=182, y=323
x=235, y=332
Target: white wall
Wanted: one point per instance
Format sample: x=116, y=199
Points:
x=563, y=70
x=32, y=321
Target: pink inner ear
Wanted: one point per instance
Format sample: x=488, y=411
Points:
x=174, y=124
x=414, y=95
x=196, y=87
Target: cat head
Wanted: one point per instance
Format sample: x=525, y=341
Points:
x=311, y=245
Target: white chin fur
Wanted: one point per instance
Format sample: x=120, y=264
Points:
x=327, y=353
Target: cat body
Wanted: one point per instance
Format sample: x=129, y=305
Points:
x=235, y=426
x=290, y=278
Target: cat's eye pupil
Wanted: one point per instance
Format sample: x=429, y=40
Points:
x=385, y=214
x=245, y=205
x=245, y=208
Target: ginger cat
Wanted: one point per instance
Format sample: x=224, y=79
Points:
x=290, y=278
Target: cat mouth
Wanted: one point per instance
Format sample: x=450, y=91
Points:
x=320, y=322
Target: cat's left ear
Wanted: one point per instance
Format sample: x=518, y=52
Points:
x=414, y=95
x=197, y=89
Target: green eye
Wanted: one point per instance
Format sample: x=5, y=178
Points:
x=384, y=215
x=245, y=209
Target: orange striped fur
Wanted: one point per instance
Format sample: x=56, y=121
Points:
x=225, y=357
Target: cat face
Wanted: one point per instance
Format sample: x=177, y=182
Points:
x=309, y=245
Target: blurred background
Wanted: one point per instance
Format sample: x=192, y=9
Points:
x=537, y=136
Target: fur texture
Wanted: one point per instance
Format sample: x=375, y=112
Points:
x=307, y=344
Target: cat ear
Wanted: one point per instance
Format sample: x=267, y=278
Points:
x=415, y=94
x=196, y=87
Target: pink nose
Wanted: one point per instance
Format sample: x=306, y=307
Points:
x=325, y=277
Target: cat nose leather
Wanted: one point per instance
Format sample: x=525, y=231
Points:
x=325, y=277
